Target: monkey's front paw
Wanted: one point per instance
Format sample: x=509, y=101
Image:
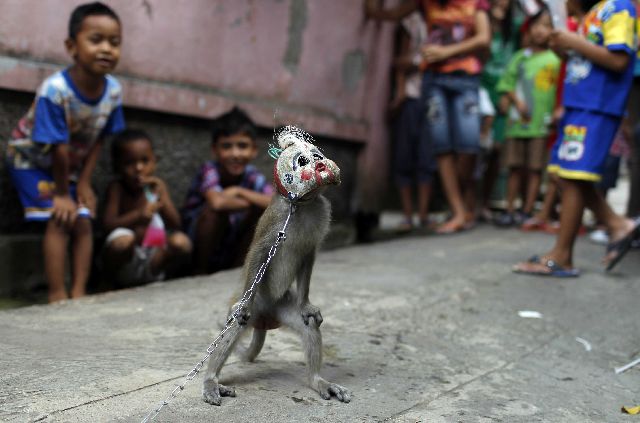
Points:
x=309, y=311
x=212, y=392
x=328, y=390
x=241, y=314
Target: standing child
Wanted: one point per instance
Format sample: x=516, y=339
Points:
x=227, y=196
x=138, y=210
x=529, y=84
x=414, y=164
x=459, y=33
x=54, y=149
x=599, y=76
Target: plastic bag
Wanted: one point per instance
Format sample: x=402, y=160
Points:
x=155, y=235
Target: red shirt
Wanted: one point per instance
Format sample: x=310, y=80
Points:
x=451, y=24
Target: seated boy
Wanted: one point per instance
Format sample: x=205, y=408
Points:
x=54, y=148
x=137, y=211
x=227, y=196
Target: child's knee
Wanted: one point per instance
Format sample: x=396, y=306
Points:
x=180, y=243
x=121, y=244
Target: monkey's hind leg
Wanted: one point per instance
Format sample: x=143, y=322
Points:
x=212, y=390
x=254, y=348
x=291, y=315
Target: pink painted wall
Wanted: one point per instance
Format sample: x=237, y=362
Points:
x=316, y=63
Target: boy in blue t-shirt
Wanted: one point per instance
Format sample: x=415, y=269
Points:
x=597, y=84
x=54, y=148
x=227, y=196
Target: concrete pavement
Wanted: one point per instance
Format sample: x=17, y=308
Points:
x=420, y=328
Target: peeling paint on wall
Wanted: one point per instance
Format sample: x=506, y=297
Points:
x=353, y=68
x=297, y=25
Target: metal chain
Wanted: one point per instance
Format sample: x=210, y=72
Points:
x=234, y=316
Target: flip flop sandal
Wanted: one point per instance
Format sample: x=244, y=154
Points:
x=622, y=246
x=554, y=269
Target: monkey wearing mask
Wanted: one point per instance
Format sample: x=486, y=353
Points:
x=301, y=174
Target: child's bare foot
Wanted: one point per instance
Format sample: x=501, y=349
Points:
x=57, y=295
x=78, y=292
x=451, y=226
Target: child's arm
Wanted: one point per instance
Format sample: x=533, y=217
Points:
x=374, y=10
x=225, y=200
x=478, y=41
x=616, y=61
x=166, y=208
x=112, y=217
x=64, y=208
x=86, y=196
x=253, y=197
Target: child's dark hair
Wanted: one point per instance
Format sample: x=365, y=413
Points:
x=233, y=122
x=121, y=139
x=586, y=5
x=536, y=17
x=88, y=9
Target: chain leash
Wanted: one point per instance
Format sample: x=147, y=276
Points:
x=234, y=316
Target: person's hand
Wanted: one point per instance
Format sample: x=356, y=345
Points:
x=370, y=8
x=155, y=184
x=149, y=209
x=435, y=53
x=561, y=41
x=64, y=211
x=86, y=197
x=523, y=111
x=397, y=101
x=233, y=191
x=556, y=116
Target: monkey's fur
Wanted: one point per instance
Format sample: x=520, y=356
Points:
x=277, y=301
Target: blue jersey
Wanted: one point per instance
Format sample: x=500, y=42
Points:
x=60, y=114
x=588, y=86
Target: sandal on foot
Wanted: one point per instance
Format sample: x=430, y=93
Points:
x=449, y=227
x=622, y=246
x=546, y=267
x=533, y=224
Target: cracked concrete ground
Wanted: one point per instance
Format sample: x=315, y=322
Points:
x=421, y=328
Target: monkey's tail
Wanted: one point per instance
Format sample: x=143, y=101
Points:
x=254, y=348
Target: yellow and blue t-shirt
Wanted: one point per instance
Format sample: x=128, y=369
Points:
x=612, y=24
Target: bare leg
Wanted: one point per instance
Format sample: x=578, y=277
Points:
x=210, y=231
x=449, y=179
x=490, y=176
x=424, y=197
x=54, y=248
x=82, y=249
x=406, y=201
x=573, y=203
x=533, y=187
x=549, y=201
x=513, y=188
x=177, y=250
x=465, y=165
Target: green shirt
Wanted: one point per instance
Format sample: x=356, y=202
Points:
x=532, y=77
x=500, y=52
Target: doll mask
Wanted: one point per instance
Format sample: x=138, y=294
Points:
x=301, y=168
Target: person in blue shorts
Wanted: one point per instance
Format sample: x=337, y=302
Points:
x=597, y=83
x=53, y=150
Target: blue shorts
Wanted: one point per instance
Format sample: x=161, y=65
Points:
x=583, y=143
x=35, y=188
x=452, y=117
x=413, y=157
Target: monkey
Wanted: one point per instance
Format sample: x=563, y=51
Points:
x=301, y=174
